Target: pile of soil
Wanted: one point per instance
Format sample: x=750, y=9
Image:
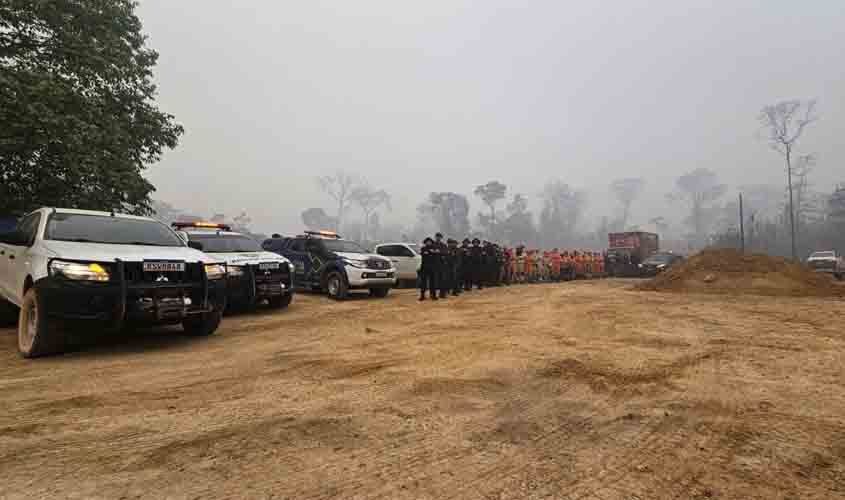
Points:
x=732, y=272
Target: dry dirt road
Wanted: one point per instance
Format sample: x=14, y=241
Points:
x=571, y=391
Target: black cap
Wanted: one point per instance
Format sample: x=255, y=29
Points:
x=466, y=240
x=428, y=240
x=438, y=235
x=476, y=240
x=276, y=235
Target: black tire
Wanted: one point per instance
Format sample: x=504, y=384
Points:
x=379, y=292
x=280, y=301
x=336, y=286
x=202, y=325
x=38, y=333
x=8, y=314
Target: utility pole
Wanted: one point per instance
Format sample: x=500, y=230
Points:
x=741, y=226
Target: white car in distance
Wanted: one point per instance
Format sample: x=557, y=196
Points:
x=405, y=258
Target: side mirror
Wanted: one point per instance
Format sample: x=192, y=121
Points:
x=14, y=238
x=196, y=245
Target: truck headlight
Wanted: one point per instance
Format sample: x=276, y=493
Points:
x=236, y=271
x=215, y=271
x=361, y=264
x=79, y=271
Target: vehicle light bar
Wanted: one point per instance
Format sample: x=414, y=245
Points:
x=204, y=225
x=324, y=234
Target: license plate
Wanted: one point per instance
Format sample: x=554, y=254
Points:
x=381, y=275
x=164, y=267
x=265, y=266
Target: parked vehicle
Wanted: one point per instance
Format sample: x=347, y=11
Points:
x=659, y=262
x=626, y=251
x=65, y=267
x=405, y=258
x=827, y=261
x=323, y=261
x=254, y=275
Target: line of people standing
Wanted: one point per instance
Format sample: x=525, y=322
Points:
x=451, y=269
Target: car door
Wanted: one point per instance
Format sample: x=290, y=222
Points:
x=295, y=252
x=16, y=257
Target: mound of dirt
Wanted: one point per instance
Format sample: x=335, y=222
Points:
x=732, y=272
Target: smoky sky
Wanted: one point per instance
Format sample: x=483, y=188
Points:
x=446, y=95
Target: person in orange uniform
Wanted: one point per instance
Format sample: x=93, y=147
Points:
x=579, y=264
x=555, y=261
x=566, y=265
x=529, y=266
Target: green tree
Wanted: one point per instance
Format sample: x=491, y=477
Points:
x=80, y=124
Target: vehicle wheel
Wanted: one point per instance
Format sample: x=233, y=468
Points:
x=8, y=314
x=281, y=301
x=38, y=334
x=379, y=292
x=336, y=286
x=838, y=276
x=202, y=325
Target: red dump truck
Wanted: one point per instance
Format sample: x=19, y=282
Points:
x=627, y=250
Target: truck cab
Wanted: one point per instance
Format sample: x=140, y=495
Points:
x=64, y=267
x=325, y=262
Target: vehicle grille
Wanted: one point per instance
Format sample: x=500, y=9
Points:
x=134, y=274
x=272, y=276
x=378, y=264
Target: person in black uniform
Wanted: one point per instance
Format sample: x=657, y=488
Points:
x=456, y=257
x=479, y=257
x=445, y=265
x=429, y=269
x=467, y=264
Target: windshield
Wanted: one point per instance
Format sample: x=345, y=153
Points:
x=225, y=243
x=823, y=255
x=343, y=246
x=659, y=259
x=111, y=230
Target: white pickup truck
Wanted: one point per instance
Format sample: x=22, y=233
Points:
x=63, y=268
x=827, y=262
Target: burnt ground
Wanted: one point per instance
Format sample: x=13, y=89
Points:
x=573, y=391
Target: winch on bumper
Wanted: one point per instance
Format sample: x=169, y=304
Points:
x=135, y=295
x=256, y=282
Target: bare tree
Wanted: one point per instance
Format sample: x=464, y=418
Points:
x=369, y=200
x=699, y=189
x=491, y=193
x=339, y=186
x=627, y=191
x=784, y=123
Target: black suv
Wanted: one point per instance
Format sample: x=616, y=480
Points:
x=322, y=261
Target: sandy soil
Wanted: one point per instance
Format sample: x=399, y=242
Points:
x=571, y=391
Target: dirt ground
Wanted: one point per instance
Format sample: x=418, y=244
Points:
x=573, y=391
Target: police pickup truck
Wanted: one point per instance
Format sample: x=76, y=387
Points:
x=254, y=275
x=63, y=268
x=323, y=261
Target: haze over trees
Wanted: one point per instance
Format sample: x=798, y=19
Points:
x=339, y=186
x=699, y=191
x=626, y=191
x=77, y=104
x=490, y=194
